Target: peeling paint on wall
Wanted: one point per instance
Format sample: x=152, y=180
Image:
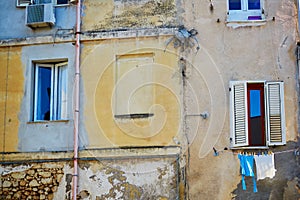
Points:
x=152, y=178
x=130, y=179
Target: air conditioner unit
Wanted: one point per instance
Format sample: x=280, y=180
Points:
x=40, y=15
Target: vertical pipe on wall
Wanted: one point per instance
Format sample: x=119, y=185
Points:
x=76, y=99
x=5, y=101
x=298, y=9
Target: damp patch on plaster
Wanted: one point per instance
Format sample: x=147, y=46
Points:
x=142, y=14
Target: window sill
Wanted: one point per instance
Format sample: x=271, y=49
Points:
x=47, y=122
x=245, y=19
x=21, y=6
x=54, y=5
x=244, y=23
x=61, y=5
x=134, y=116
x=252, y=147
x=129, y=118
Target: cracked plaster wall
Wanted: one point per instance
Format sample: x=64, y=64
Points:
x=264, y=52
x=150, y=178
x=243, y=52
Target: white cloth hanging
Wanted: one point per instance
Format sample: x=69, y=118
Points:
x=265, y=166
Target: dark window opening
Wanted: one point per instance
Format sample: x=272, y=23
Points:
x=235, y=5
x=43, y=93
x=62, y=1
x=253, y=4
x=256, y=114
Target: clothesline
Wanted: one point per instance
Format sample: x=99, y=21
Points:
x=291, y=150
x=260, y=152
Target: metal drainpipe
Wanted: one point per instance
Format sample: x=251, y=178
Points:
x=76, y=99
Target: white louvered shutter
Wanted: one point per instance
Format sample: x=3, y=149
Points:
x=275, y=113
x=238, y=113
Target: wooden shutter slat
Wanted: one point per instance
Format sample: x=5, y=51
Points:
x=275, y=112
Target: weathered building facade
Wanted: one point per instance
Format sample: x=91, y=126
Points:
x=151, y=99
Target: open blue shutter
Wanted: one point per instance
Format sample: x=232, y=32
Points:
x=238, y=114
x=275, y=113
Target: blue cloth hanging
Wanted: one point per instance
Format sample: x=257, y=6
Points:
x=246, y=162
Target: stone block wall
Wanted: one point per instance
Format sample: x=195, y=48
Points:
x=35, y=181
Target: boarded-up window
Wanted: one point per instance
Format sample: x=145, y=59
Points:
x=133, y=92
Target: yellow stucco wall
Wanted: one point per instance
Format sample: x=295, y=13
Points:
x=99, y=82
x=11, y=94
x=227, y=53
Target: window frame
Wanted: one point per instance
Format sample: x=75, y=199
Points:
x=245, y=14
x=238, y=116
x=55, y=96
